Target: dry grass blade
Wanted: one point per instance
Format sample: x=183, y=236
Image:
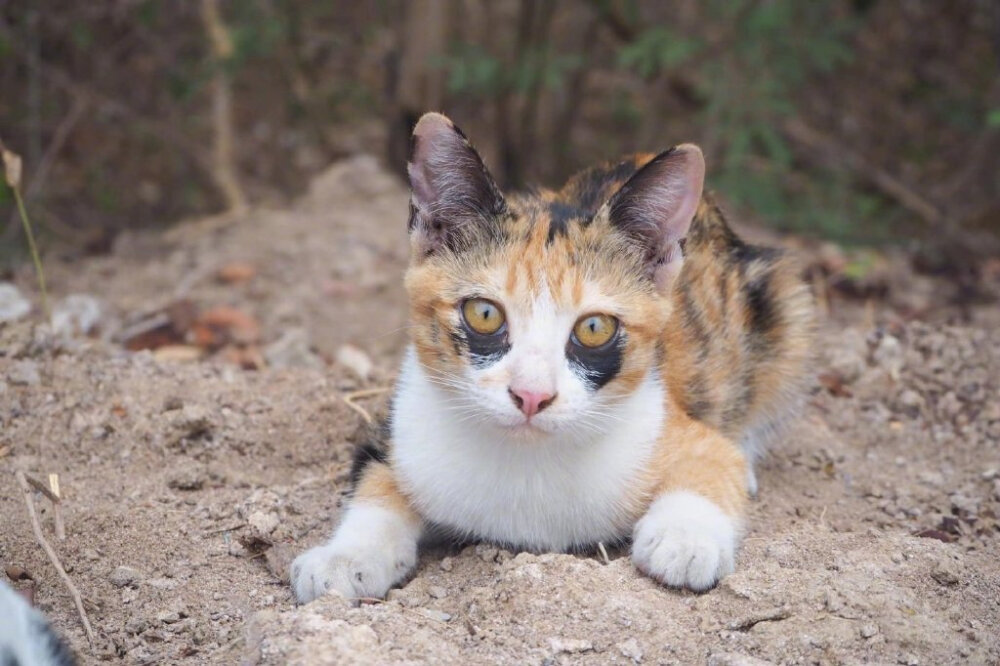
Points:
x=37, y=528
x=12, y=172
x=349, y=399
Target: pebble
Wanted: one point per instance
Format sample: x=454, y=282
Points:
x=263, y=522
x=868, y=630
x=91, y=555
x=13, y=305
x=123, y=576
x=168, y=617
x=435, y=614
x=630, y=649
x=945, y=574
x=355, y=360
x=77, y=314
x=24, y=373
x=437, y=591
x=292, y=350
x=447, y=564
x=570, y=645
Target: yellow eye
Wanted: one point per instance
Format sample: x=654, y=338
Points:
x=483, y=316
x=595, y=330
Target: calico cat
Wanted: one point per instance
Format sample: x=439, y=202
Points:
x=595, y=364
x=26, y=639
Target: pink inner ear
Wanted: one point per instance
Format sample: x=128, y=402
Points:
x=677, y=193
x=433, y=137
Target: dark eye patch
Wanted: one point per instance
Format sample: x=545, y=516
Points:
x=597, y=366
x=484, y=350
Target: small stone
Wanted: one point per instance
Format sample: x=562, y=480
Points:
x=123, y=576
x=13, y=305
x=24, y=373
x=91, y=555
x=168, y=617
x=355, y=360
x=630, y=649
x=435, y=614
x=172, y=404
x=437, y=592
x=868, y=630
x=263, y=522
x=486, y=553
x=945, y=574
x=570, y=645
x=136, y=625
x=735, y=659
x=447, y=564
x=77, y=314
x=292, y=350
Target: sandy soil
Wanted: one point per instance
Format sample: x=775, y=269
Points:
x=188, y=486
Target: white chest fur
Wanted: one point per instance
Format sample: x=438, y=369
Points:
x=545, y=494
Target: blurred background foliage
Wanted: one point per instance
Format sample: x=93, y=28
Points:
x=862, y=121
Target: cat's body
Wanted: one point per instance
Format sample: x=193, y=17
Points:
x=589, y=365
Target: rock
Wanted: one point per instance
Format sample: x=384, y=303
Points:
x=437, y=592
x=435, y=614
x=263, y=522
x=91, y=555
x=355, y=360
x=168, y=617
x=292, y=350
x=447, y=564
x=630, y=649
x=125, y=576
x=187, y=478
x=13, y=305
x=944, y=573
x=77, y=314
x=868, y=630
x=570, y=645
x=889, y=354
x=24, y=373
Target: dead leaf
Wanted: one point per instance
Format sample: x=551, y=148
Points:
x=236, y=272
x=936, y=534
x=834, y=383
x=16, y=573
x=227, y=323
x=178, y=353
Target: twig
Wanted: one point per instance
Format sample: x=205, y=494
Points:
x=37, y=528
x=604, y=552
x=230, y=528
x=349, y=399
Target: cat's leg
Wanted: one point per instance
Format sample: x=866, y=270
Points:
x=689, y=535
x=373, y=548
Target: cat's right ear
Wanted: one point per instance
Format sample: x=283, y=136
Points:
x=452, y=195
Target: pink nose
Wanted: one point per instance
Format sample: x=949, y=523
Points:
x=531, y=402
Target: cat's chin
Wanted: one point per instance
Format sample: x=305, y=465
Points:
x=525, y=431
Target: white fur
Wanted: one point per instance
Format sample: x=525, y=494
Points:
x=25, y=637
x=373, y=549
x=560, y=485
x=685, y=540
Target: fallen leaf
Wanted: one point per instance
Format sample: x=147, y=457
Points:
x=233, y=324
x=236, y=272
x=16, y=573
x=178, y=353
x=834, y=383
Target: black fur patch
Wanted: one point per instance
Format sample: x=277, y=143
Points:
x=375, y=449
x=561, y=215
x=597, y=366
x=763, y=310
x=593, y=185
x=484, y=350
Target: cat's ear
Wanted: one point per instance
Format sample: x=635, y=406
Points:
x=453, y=196
x=656, y=205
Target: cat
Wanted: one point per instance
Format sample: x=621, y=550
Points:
x=596, y=364
x=26, y=639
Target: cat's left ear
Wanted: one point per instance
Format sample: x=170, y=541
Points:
x=453, y=197
x=656, y=205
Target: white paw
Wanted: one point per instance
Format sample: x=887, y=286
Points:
x=372, y=550
x=684, y=540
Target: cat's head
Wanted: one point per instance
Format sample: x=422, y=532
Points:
x=538, y=314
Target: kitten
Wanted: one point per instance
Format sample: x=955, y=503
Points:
x=26, y=639
x=589, y=365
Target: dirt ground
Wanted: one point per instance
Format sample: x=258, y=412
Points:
x=188, y=486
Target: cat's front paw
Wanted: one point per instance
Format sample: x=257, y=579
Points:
x=372, y=550
x=685, y=540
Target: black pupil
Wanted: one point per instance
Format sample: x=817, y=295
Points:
x=593, y=325
x=486, y=312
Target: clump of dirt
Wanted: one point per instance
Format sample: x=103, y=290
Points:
x=189, y=486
